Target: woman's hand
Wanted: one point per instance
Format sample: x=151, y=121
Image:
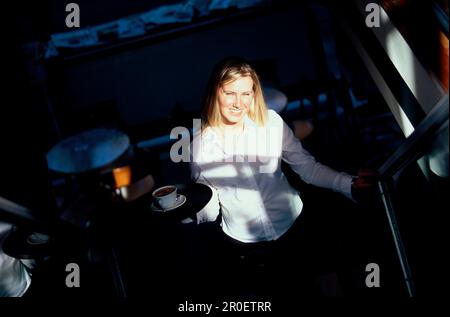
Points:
x=364, y=185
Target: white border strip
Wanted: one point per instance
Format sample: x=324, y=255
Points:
x=394, y=105
x=422, y=84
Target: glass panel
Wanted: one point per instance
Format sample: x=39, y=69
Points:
x=420, y=199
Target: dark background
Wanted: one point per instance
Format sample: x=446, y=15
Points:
x=149, y=85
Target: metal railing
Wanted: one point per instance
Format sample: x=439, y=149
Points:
x=413, y=148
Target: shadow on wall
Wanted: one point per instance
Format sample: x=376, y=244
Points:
x=147, y=83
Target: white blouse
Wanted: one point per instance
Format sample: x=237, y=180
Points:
x=14, y=278
x=249, y=188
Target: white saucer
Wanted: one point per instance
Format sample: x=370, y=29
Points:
x=181, y=199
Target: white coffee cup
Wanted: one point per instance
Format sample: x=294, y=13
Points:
x=166, y=196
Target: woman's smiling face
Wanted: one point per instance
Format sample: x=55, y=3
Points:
x=235, y=99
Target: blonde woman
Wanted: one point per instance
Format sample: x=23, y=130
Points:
x=238, y=153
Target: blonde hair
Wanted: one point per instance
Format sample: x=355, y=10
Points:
x=227, y=71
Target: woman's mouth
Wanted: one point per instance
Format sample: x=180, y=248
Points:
x=236, y=110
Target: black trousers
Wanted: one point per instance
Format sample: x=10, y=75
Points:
x=284, y=267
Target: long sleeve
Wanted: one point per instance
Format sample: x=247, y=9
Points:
x=311, y=171
x=210, y=212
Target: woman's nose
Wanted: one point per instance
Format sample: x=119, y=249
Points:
x=240, y=101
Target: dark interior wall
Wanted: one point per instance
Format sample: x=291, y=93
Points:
x=24, y=127
x=147, y=82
